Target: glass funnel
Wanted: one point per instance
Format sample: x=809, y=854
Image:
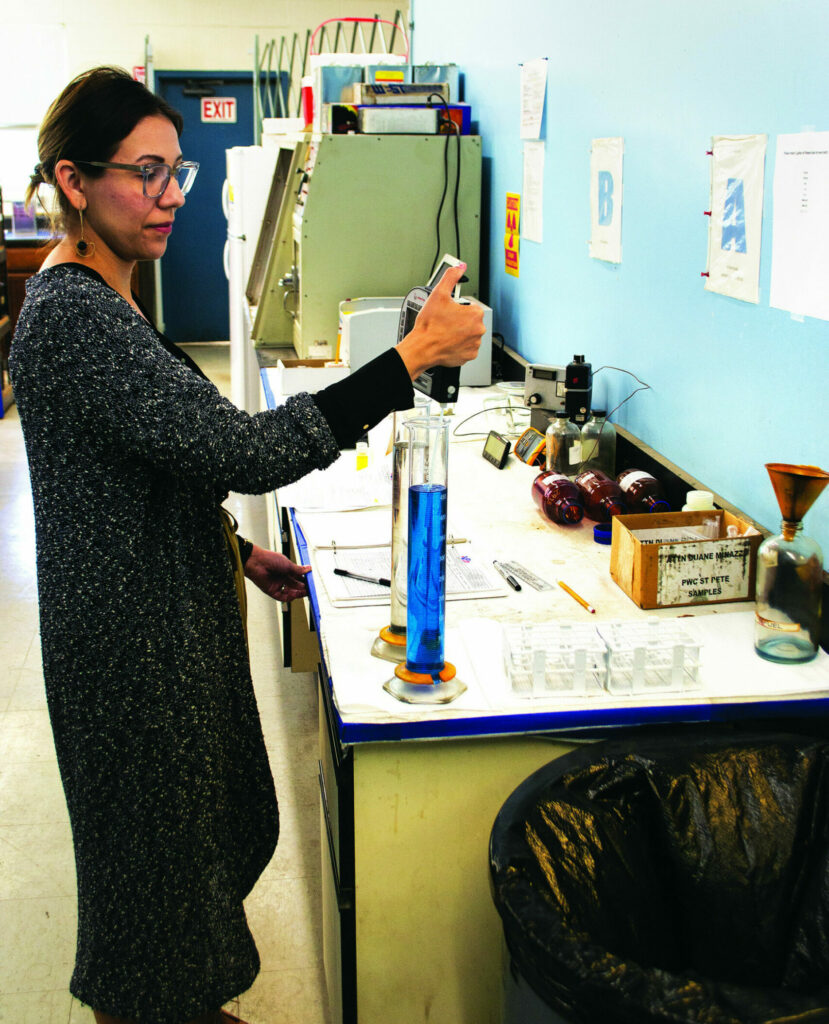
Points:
x=790, y=571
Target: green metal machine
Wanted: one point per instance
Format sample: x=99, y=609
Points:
x=358, y=216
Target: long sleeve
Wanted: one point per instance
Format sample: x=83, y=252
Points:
x=98, y=363
x=354, y=405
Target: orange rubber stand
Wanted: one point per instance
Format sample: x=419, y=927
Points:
x=398, y=639
x=425, y=678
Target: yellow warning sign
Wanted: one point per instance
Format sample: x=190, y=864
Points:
x=511, y=233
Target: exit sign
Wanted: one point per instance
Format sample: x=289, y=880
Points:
x=218, y=109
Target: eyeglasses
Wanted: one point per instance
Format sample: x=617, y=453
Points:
x=155, y=177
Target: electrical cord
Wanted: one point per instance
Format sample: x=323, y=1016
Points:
x=480, y=412
x=495, y=408
x=497, y=362
x=457, y=133
x=644, y=387
x=445, y=118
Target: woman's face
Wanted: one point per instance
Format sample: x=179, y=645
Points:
x=132, y=226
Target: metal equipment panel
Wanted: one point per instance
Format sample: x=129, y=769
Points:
x=365, y=224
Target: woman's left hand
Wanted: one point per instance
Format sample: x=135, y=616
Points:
x=276, y=575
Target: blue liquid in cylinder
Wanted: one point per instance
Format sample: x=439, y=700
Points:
x=425, y=600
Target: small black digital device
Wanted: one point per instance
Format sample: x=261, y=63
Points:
x=496, y=449
x=438, y=382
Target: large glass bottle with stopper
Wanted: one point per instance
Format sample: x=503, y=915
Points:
x=598, y=443
x=426, y=676
x=563, y=445
x=790, y=571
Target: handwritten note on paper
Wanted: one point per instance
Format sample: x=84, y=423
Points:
x=715, y=570
x=800, y=240
x=532, y=229
x=533, y=91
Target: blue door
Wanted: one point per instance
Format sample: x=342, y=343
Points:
x=193, y=282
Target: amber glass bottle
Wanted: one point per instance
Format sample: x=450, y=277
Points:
x=601, y=495
x=558, y=497
x=643, y=492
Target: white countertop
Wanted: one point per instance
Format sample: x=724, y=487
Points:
x=494, y=510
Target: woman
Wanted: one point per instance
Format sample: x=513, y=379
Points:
x=130, y=452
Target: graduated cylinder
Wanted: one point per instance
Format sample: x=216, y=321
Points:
x=426, y=584
x=391, y=643
x=426, y=677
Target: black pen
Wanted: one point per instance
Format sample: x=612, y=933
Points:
x=366, y=579
x=513, y=582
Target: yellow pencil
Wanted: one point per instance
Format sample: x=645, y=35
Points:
x=576, y=597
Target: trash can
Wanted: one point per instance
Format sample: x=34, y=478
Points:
x=670, y=877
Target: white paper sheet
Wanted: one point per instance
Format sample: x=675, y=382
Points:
x=468, y=574
x=366, y=528
x=532, y=221
x=606, y=199
x=736, y=221
x=339, y=487
x=359, y=677
x=800, y=240
x=729, y=668
x=533, y=90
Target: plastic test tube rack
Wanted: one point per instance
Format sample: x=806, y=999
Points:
x=563, y=659
x=657, y=655
x=554, y=659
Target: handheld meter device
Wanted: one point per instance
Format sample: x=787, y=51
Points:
x=531, y=447
x=438, y=382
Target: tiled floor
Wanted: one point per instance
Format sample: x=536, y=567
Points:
x=37, y=874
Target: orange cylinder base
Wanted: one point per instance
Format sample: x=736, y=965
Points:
x=397, y=639
x=424, y=688
x=426, y=678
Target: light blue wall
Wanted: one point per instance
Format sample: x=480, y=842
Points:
x=734, y=385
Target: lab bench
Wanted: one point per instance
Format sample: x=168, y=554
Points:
x=408, y=794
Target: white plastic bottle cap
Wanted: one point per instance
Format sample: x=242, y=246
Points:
x=698, y=500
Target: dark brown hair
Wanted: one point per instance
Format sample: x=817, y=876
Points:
x=88, y=120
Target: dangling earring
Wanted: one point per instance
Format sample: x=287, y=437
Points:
x=83, y=248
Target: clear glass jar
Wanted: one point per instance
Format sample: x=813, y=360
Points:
x=598, y=443
x=788, y=596
x=563, y=445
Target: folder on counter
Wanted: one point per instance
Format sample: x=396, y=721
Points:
x=361, y=542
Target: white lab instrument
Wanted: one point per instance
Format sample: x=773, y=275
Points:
x=368, y=326
x=250, y=170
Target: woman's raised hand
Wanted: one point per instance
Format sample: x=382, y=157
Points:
x=446, y=332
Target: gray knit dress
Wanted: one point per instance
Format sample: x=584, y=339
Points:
x=156, y=728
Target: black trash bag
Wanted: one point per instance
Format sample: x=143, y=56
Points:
x=680, y=877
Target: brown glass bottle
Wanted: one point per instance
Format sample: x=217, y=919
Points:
x=558, y=497
x=602, y=496
x=643, y=492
